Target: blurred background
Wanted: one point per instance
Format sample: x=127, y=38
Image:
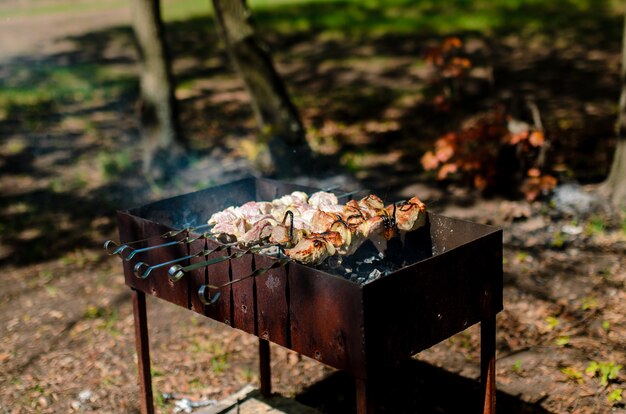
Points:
x=502, y=112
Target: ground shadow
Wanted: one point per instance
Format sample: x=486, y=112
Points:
x=413, y=387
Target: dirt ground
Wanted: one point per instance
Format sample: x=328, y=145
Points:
x=66, y=165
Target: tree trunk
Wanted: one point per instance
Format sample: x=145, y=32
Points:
x=160, y=132
x=615, y=183
x=277, y=118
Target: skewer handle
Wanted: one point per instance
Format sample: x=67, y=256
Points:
x=207, y=299
x=205, y=289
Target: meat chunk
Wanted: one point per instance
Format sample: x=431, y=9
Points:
x=311, y=251
x=322, y=198
x=236, y=228
x=322, y=221
x=259, y=232
x=371, y=205
x=411, y=215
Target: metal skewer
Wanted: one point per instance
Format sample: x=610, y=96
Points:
x=142, y=270
x=113, y=247
x=176, y=272
x=185, y=240
x=204, y=289
x=349, y=194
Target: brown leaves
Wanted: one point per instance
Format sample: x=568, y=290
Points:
x=471, y=153
x=536, y=139
x=446, y=169
x=533, y=137
x=537, y=184
x=448, y=58
x=467, y=152
x=429, y=161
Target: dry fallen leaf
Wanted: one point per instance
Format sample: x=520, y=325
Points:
x=536, y=139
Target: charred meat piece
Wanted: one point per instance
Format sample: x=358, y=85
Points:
x=352, y=214
x=321, y=221
x=345, y=233
x=311, y=250
x=371, y=205
x=411, y=215
x=281, y=234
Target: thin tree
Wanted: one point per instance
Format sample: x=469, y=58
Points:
x=277, y=117
x=160, y=131
x=615, y=184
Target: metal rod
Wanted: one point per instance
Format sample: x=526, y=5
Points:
x=143, y=351
x=364, y=403
x=177, y=271
x=265, y=370
x=120, y=251
x=112, y=247
x=142, y=270
x=146, y=249
x=204, y=289
x=289, y=214
x=488, y=364
x=349, y=194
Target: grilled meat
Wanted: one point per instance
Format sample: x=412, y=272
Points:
x=313, y=228
x=322, y=198
x=311, y=250
x=411, y=215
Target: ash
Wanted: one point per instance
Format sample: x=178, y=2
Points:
x=368, y=264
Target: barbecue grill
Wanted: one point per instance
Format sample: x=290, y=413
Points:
x=450, y=279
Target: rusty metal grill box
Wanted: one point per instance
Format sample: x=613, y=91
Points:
x=358, y=328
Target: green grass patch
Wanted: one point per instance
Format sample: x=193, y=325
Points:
x=605, y=371
x=573, y=374
x=31, y=95
x=113, y=164
x=373, y=17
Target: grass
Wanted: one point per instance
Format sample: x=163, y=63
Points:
x=113, y=165
x=35, y=94
x=49, y=83
x=363, y=16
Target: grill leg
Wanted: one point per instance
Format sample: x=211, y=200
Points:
x=488, y=364
x=143, y=352
x=264, y=368
x=363, y=397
